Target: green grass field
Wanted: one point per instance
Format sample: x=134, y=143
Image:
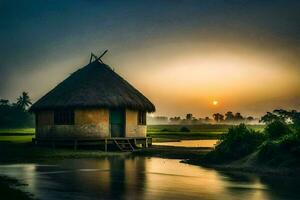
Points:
x=23, y=135
x=17, y=131
x=202, y=131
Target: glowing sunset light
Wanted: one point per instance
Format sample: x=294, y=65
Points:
x=215, y=102
x=186, y=56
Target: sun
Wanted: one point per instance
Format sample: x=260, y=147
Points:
x=215, y=102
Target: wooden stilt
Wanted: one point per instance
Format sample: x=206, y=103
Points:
x=124, y=144
x=75, y=145
x=146, y=142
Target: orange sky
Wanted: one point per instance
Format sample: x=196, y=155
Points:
x=240, y=77
x=182, y=55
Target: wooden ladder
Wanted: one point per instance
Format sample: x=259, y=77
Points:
x=124, y=145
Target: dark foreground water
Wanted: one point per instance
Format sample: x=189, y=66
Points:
x=145, y=178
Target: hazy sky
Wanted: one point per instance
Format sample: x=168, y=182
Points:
x=182, y=55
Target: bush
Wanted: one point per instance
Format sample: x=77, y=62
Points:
x=284, y=151
x=289, y=142
x=277, y=129
x=268, y=150
x=165, y=130
x=237, y=143
x=184, y=129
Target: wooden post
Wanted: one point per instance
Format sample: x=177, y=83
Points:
x=146, y=142
x=135, y=142
x=75, y=145
x=105, y=145
x=150, y=142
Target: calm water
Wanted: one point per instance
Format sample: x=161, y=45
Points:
x=189, y=143
x=145, y=178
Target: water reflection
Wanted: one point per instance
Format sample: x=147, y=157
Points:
x=145, y=178
x=189, y=143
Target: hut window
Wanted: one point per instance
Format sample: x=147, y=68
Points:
x=141, y=118
x=64, y=117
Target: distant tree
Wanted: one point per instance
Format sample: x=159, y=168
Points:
x=4, y=102
x=270, y=117
x=229, y=116
x=24, y=101
x=218, y=117
x=207, y=120
x=238, y=117
x=163, y=118
x=175, y=119
x=285, y=116
x=13, y=116
x=189, y=116
x=250, y=118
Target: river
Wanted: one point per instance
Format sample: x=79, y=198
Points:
x=145, y=178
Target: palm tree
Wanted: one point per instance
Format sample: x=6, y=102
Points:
x=24, y=101
x=218, y=117
x=229, y=116
x=238, y=116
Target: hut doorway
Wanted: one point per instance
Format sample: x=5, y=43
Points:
x=117, y=121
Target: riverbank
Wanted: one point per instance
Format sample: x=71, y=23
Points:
x=8, y=189
x=275, y=151
x=172, y=152
x=194, y=156
x=23, y=151
x=18, y=149
x=242, y=166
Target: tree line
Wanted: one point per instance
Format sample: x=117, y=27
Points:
x=228, y=117
x=231, y=117
x=15, y=114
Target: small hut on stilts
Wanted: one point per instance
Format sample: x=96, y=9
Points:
x=94, y=105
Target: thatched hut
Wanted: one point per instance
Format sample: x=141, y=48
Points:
x=93, y=102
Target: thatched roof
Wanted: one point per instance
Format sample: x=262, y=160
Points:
x=95, y=85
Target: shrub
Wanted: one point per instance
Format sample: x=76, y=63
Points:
x=277, y=129
x=283, y=151
x=165, y=130
x=184, y=129
x=268, y=150
x=288, y=142
x=237, y=143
